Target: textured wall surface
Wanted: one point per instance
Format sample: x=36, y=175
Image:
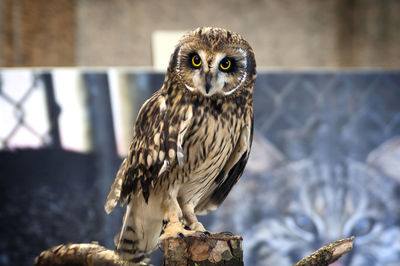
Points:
x=283, y=33
x=37, y=33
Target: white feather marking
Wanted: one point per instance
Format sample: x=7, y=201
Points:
x=171, y=153
x=155, y=155
x=161, y=155
x=189, y=113
x=164, y=167
x=182, y=131
x=189, y=88
x=181, y=157
x=149, y=160
x=157, y=139
x=163, y=106
x=246, y=136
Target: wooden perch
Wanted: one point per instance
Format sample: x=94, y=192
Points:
x=78, y=254
x=205, y=251
x=195, y=250
x=328, y=254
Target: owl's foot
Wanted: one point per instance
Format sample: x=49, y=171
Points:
x=225, y=234
x=176, y=229
x=199, y=228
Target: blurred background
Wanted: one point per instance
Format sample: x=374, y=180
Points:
x=326, y=159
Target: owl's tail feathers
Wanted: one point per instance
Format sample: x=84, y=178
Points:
x=115, y=191
x=140, y=232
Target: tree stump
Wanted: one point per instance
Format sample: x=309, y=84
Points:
x=203, y=251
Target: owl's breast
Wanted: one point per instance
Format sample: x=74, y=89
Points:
x=207, y=148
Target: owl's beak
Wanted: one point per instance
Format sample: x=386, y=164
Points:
x=208, y=82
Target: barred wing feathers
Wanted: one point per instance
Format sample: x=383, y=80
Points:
x=157, y=145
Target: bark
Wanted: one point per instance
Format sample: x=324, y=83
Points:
x=328, y=254
x=79, y=254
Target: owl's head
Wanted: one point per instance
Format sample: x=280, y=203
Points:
x=213, y=61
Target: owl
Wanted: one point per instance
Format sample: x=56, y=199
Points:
x=190, y=144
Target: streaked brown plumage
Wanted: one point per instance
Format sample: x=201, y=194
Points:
x=191, y=141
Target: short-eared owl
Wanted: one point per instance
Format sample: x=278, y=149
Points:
x=190, y=143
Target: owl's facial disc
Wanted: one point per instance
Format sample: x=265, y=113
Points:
x=213, y=72
x=205, y=76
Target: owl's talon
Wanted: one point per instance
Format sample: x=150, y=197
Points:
x=176, y=229
x=197, y=226
x=207, y=233
x=224, y=234
x=204, y=234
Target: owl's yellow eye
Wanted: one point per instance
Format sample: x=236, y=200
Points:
x=225, y=64
x=196, y=61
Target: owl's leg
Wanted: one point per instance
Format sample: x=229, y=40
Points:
x=191, y=218
x=174, y=227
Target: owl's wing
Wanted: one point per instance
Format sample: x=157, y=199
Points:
x=157, y=144
x=234, y=168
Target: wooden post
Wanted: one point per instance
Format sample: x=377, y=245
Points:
x=203, y=251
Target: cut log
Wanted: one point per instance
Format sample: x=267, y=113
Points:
x=203, y=251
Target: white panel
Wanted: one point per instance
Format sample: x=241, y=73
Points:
x=116, y=81
x=73, y=120
x=163, y=45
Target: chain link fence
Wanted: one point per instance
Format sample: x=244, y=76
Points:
x=302, y=112
x=29, y=110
